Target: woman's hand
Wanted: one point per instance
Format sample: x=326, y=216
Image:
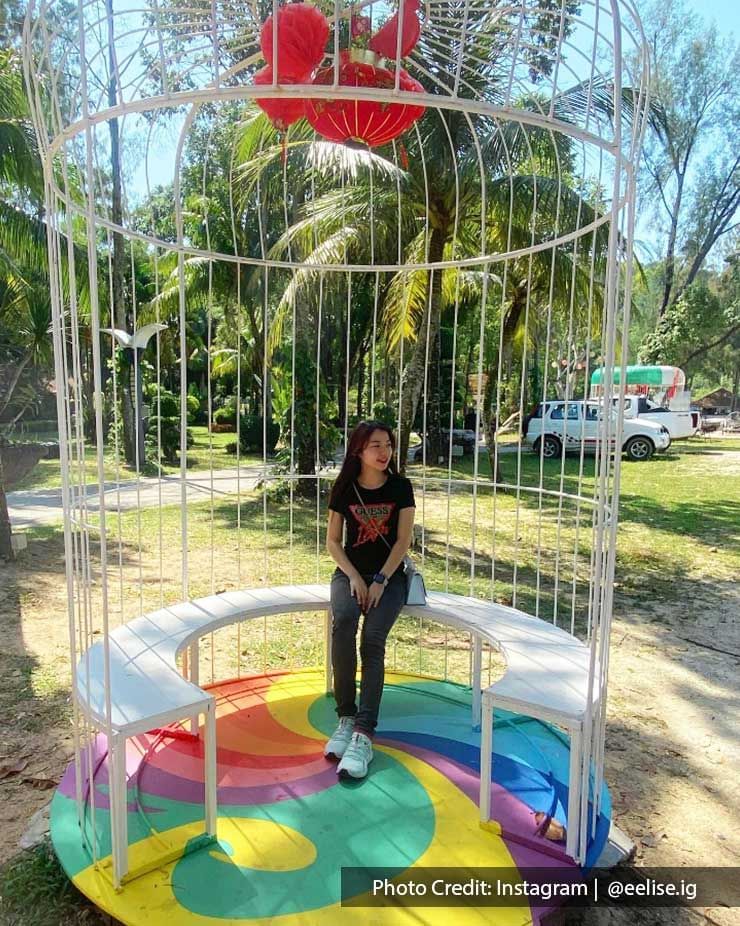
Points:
x=374, y=594
x=359, y=591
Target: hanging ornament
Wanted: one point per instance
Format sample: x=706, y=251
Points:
x=385, y=41
x=281, y=111
x=363, y=121
x=303, y=32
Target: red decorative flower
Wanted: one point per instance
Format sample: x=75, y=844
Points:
x=302, y=35
x=364, y=121
x=281, y=111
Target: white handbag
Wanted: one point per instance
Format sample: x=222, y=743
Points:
x=416, y=593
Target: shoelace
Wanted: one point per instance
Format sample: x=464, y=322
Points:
x=356, y=749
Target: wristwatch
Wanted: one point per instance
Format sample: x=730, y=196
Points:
x=380, y=578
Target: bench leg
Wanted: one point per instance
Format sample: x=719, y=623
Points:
x=194, y=677
x=117, y=798
x=476, y=681
x=210, y=774
x=327, y=650
x=572, y=842
x=486, y=758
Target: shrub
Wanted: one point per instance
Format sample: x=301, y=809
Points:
x=250, y=434
x=225, y=415
x=193, y=408
x=162, y=402
x=170, y=428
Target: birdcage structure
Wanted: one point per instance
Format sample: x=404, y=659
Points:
x=266, y=222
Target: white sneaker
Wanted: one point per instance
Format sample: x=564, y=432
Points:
x=357, y=756
x=340, y=738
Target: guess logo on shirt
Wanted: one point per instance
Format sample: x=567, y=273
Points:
x=372, y=521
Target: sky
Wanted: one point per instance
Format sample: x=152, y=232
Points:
x=725, y=13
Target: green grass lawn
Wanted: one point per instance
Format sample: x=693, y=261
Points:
x=207, y=450
x=679, y=517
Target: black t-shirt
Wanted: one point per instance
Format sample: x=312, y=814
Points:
x=368, y=524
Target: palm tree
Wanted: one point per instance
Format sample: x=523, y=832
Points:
x=23, y=310
x=526, y=199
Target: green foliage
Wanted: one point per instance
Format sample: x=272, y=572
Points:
x=251, y=434
x=170, y=437
x=193, y=408
x=385, y=414
x=295, y=413
x=166, y=428
x=35, y=891
x=226, y=414
x=691, y=327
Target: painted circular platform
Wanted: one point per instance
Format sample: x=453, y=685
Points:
x=287, y=825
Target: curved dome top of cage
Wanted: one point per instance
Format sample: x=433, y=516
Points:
x=538, y=95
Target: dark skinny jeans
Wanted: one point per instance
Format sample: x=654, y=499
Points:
x=375, y=629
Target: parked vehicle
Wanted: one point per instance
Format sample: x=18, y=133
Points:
x=680, y=423
x=655, y=393
x=557, y=426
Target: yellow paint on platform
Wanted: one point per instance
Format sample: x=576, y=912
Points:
x=262, y=844
x=458, y=842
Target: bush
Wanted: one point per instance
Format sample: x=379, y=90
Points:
x=225, y=415
x=250, y=434
x=170, y=437
x=169, y=403
x=193, y=408
x=385, y=413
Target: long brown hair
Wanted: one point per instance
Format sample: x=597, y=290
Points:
x=352, y=466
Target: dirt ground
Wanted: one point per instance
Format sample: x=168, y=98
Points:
x=673, y=739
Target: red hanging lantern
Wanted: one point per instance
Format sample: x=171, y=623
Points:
x=303, y=32
x=363, y=121
x=385, y=40
x=281, y=111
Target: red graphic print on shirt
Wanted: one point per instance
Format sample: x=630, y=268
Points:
x=372, y=520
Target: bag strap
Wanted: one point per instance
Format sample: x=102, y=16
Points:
x=357, y=493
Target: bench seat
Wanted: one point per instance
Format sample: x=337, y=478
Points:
x=546, y=676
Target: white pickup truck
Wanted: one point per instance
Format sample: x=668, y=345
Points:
x=679, y=424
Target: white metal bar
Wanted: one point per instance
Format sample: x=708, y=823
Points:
x=572, y=842
x=328, y=683
x=486, y=758
x=476, y=680
x=210, y=769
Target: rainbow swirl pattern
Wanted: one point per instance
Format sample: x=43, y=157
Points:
x=287, y=825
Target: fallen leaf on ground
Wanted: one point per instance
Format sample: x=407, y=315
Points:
x=41, y=782
x=12, y=768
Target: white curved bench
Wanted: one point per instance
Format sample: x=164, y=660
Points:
x=546, y=677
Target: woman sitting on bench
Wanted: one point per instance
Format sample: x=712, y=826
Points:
x=377, y=506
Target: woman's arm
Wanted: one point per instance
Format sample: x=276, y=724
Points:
x=336, y=551
x=396, y=555
x=403, y=541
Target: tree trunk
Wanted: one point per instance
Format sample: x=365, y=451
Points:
x=413, y=375
x=670, y=260
x=361, y=382
x=120, y=318
x=490, y=417
x=437, y=447
x=303, y=435
x=6, y=544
